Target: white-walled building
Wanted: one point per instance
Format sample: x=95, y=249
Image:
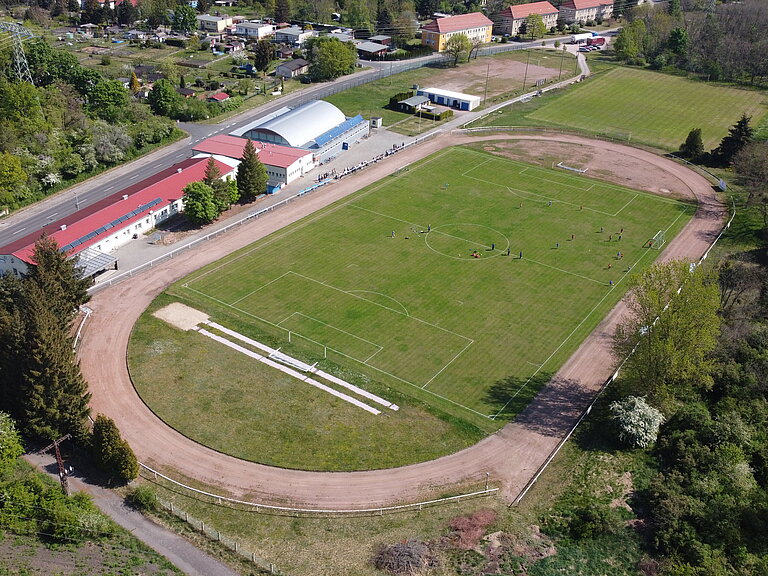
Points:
x=92, y=233
x=283, y=164
x=256, y=30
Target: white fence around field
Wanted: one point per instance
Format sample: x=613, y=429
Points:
x=288, y=510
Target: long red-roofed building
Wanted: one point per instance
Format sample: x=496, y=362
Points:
x=511, y=19
x=584, y=11
x=283, y=163
x=475, y=26
x=95, y=231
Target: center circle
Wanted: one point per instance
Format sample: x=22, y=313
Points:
x=464, y=241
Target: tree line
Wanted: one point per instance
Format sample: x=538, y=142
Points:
x=717, y=41
x=41, y=386
x=71, y=123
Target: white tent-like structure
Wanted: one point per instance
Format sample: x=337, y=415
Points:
x=297, y=127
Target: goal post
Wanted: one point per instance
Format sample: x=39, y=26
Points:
x=658, y=240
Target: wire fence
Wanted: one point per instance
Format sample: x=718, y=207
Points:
x=215, y=535
x=245, y=505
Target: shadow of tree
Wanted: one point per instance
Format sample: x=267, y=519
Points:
x=556, y=408
x=510, y=395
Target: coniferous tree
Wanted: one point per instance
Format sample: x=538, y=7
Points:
x=59, y=278
x=251, y=174
x=53, y=395
x=739, y=135
x=11, y=342
x=283, y=10
x=135, y=84
x=110, y=452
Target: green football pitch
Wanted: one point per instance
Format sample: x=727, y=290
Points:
x=417, y=280
x=652, y=108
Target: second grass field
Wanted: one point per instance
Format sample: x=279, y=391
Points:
x=465, y=279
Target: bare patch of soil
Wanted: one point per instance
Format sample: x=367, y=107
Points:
x=181, y=316
x=617, y=168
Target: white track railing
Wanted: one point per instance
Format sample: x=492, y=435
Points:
x=324, y=511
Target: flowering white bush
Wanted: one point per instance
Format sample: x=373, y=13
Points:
x=638, y=422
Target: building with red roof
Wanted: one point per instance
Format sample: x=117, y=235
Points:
x=283, y=163
x=583, y=11
x=93, y=232
x=511, y=19
x=475, y=26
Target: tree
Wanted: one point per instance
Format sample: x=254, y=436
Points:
x=12, y=175
x=221, y=192
x=135, y=85
x=739, y=135
x=638, y=422
x=111, y=453
x=263, y=54
x=666, y=337
x=630, y=41
x=330, y=58
x=184, y=19
x=693, y=147
x=251, y=174
x=458, y=47
x=199, y=204
x=108, y=100
x=60, y=279
x=751, y=166
x=535, y=26
x=10, y=443
x=356, y=14
x=283, y=10
x=163, y=98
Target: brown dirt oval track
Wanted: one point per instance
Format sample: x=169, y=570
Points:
x=511, y=456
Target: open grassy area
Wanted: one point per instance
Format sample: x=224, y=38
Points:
x=415, y=318
x=645, y=107
x=371, y=99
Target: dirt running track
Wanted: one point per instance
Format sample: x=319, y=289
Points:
x=511, y=456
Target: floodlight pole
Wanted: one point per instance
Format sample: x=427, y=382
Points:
x=59, y=461
x=525, y=78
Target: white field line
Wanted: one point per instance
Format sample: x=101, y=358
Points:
x=379, y=346
x=566, y=271
x=261, y=287
x=448, y=364
x=371, y=366
x=290, y=372
x=274, y=237
x=625, y=205
x=320, y=373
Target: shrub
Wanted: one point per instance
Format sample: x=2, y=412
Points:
x=111, y=453
x=468, y=530
x=142, y=497
x=638, y=422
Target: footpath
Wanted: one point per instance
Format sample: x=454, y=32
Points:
x=177, y=550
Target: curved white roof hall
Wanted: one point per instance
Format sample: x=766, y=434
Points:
x=304, y=123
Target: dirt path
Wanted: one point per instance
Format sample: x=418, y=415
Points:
x=511, y=456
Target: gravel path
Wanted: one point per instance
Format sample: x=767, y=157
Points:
x=511, y=456
x=177, y=550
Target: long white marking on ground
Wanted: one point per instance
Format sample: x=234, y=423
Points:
x=320, y=373
x=289, y=371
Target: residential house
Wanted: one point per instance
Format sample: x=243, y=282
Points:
x=257, y=30
x=381, y=39
x=583, y=11
x=475, y=26
x=219, y=97
x=292, y=68
x=217, y=24
x=293, y=35
x=513, y=18
x=371, y=50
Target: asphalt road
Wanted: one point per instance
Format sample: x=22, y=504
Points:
x=51, y=210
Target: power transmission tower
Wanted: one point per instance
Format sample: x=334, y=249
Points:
x=17, y=35
x=59, y=461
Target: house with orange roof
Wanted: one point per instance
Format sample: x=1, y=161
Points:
x=512, y=18
x=583, y=11
x=475, y=26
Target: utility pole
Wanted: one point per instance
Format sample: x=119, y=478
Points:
x=525, y=78
x=562, y=58
x=487, y=73
x=59, y=461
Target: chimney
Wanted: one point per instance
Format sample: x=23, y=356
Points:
x=125, y=196
x=178, y=171
x=63, y=226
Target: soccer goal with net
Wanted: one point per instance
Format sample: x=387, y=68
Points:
x=658, y=240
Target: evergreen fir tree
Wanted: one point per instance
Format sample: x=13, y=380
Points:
x=53, y=395
x=135, y=85
x=739, y=135
x=251, y=174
